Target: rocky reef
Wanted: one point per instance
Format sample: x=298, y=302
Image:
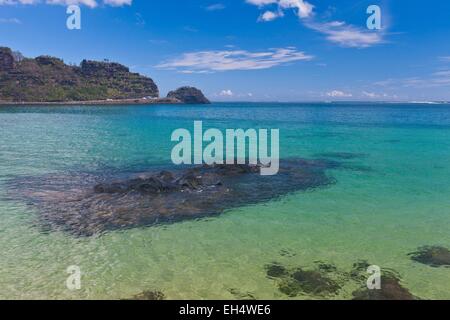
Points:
x=391, y=289
x=149, y=296
x=188, y=95
x=433, y=256
x=88, y=204
x=325, y=280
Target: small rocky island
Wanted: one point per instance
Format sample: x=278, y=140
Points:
x=48, y=80
x=188, y=95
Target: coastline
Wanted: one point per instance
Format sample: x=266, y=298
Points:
x=95, y=102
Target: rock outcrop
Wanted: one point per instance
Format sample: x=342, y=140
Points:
x=87, y=204
x=188, y=95
x=49, y=79
x=7, y=60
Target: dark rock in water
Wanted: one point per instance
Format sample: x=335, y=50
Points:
x=276, y=270
x=85, y=204
x=316, y=282
x=359, y=271
x=326, y=280
x=189, y=95
x=242, y=295
x=310, y=282
x=391, y=289
x=433, y=256
x=149, y=295
x=341, y=155
x=361, y=266
x=326, y=267
x=287, y=253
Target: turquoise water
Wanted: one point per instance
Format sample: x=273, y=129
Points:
x=397, y=203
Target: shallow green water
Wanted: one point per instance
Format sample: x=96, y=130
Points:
x=397, y=204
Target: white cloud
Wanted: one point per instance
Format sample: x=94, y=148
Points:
x=269, y=16
x=335, y=31
x=445, y=59
x=303, y=8
x=88, y=3
x=226, y=93
x=228, y=60
x=371, y=95
x=215, y=7
x=437, y=79
x=347, y=35
x=10, y=21
x=339, y=94
x=11, y=2
x=118, y=3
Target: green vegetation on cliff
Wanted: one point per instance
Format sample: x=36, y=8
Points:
x=49, y=79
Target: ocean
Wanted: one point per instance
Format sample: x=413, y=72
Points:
x=389, y=198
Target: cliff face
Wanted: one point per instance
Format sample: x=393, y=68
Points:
x=188, y=95
x=49, y=79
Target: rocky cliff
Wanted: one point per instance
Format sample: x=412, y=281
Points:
x=49, y=79
x=189, y=95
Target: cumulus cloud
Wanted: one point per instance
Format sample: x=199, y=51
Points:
x=302, y=8
x=269, y=16
x=228, y=60
x=226, y=93
x=339, y=94
x=88, y=3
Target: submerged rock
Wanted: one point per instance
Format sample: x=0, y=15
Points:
x=242, y=295
x=86, y=204
x=149, y=295
x=309, y=282
x=276, y=270
x=433, y=256
x=325, y=279
x=391, y=289
x=298, y=281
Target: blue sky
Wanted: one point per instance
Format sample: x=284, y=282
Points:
x=251, y=50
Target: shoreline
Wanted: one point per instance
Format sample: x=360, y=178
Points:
x=95, y=102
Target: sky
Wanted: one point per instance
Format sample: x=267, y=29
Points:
x=251, y=50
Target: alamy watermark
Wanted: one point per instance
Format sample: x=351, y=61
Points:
x=374, y=281
x=235, y=147
x=73, y=22
x=73, y=281
x=374, y=20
